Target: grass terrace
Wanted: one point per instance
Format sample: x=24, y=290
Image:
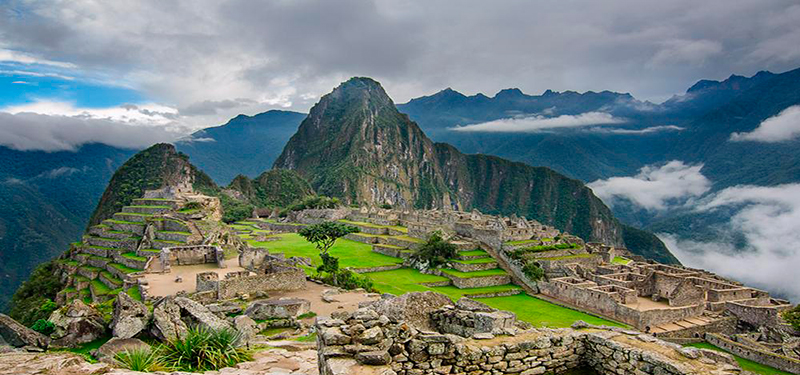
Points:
x=476, y=252
x=621, y=260
x=99, y=288
x=123, y=268
x=371, y=225
x=350, y=253
x=133, y=256
x=467, y=275
x=570, y=257
x=746, y=364
x=473, y=261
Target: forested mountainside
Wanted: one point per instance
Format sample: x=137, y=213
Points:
x=356, y=145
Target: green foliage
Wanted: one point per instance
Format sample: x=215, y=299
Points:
x=347, y=279
x=329, y=264
x=312, y=202
x=325, y=234
x=793, y=317
x=436, y=251
x=193, y=206
x=34, y=298
x=520, y=253
x=533, y=271
x=44, y=327
x=386, y=206
x=140, y=359
x=203, y=349
x=234, y=210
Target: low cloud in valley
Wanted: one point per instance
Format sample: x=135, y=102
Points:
x=782, y=127
x=537, y=123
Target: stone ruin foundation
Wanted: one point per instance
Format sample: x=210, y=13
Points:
x=419, y=333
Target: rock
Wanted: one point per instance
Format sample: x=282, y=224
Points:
x=201, y=314
x=224, y=308
x=246, y=328
x=17, y=335
x=469, y=304
x=376, y=358
x=483, y=336
x=107, y=351
x=413, y=308
x=334, y=336
x=278, y=308
x=371, y=336
x=167, y=323
x=130, y=317
x=76, y=324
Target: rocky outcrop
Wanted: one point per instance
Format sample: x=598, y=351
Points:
x=107, y=351
x=17, y=335
x=278, y=308
x=130, y=317
x=76, y=324
x=171, y=315
x=412, y=308
x=247, y=328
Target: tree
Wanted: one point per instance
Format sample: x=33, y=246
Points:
x=435, y=251
x=793, y=317
x=533, y=271
x=325, y=234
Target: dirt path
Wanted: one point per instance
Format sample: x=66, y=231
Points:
x=163, y=284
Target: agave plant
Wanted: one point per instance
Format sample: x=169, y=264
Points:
x=203, y=349
x=142, y=359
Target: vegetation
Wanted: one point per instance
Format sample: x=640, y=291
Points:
x=34, y=298
x=325, y=234
x=140, y=359
x=533, y=271
x=234, y=210
x=744, y=363
x=520, y=253
x=435, y=252
x=203, y=349
x=44, y=327
x=793, y=317
x=273, y=188
x=351, y=254
x=311, y=202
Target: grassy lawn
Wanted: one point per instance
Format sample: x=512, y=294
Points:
x=620, y=260
x=522, y=242
x=123, y=268
x=746, y=364
x=350, y=253
x=473, y=261
x=541, y=313
x=570, y=257
x=467, y=275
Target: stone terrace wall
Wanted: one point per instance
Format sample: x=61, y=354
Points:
x=350, y=344
x=197, y=254
x=764, y=357
x=283, y=279
x=757, y=315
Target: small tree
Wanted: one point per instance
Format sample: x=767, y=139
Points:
x=323, y=236
x=435, y=251
x=533, y=271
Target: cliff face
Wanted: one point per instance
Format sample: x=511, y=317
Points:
x=355, y=145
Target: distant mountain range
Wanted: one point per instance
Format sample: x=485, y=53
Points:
x=46, y=199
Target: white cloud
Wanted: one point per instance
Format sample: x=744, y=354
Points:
x=769, y=219
x=648, y=130
x=141, y=114
x=679, y=51
x=7, y=55
x=539, y=123
x=36, y=74
x=782, y=127
x=654, y=187
x=30, y=131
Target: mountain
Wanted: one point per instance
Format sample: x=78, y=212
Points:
x=46, y=198
x=153, y=168
x=245, y=145
x=273, y=188
x=356, y=145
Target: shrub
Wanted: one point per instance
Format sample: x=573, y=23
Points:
x=347, y=279
x=33, y=299
x=533, y=271
x=203, y=349
x=140, y=359
x=44, y=327
x=435, y=251
x=386, y=206
x=234, y=210
x=793, y=317
x=193, y=206
x=311, y=202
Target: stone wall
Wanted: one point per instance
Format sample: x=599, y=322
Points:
x=758, y=315
x=478, y=282
x=369, y=342
x=283, y=279
x=761, y=356
x=193, y=254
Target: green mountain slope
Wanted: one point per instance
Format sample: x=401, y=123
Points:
x=356, y=145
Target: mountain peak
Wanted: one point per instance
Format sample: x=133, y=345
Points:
x=509, y=93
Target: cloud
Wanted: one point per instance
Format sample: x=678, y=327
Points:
x=142, y=114
x=209, y=107
x=31, y=131
x=538, y=123
x=782, y=127
x=61, y=172
x=7, y=56
x=654, y=188
x=768, y=218
x=35, y=74
x=648, y=130
x=689, y=51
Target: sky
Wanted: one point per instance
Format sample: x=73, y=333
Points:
x=183, y=65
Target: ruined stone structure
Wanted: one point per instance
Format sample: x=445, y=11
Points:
x=369, y=341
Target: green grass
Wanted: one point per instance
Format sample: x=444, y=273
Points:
x=154, y=251
x=371, y=225
x=473, y=261
x=69, y=262
x=542, y=313
x=91, y=268
x=169, y=242
x=570, y=257
x=99, y=288
x=746, y=364
x=80, y=278
x=134, y=293
x=115, y=221
x=124, y=268
x=111, y=277
x=133, y=256
x=174, y=232
x=350, y=253
x=406, y=280
x=521, y=242
x=620, y=260
x=311, y=337
x=85, y=349
x=472, y=253
x=274, y=331
x=467, y=275
x=144, y=206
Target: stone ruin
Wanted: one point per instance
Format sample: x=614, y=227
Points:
x=424, y=333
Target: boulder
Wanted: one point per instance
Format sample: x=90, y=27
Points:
x=17, y=335
x=77, y=324
x=170, y=312
x=130, y=317
x=107, y=351
x=278, y=308
x=167, y=323
x=413, y=308
x=469, y=304
x=376, y=358
x=246, y=327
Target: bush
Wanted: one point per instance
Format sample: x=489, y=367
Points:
x=44, y=327
x=533, y=271
x=386, y=206
x=234, y=210
x=140, y=359
x=203, y=349
x=435, y=252
x=311, y=202
x=347, y=279
x=33, y=300
x=793, y=317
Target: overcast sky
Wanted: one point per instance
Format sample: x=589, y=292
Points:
x=206, y=61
